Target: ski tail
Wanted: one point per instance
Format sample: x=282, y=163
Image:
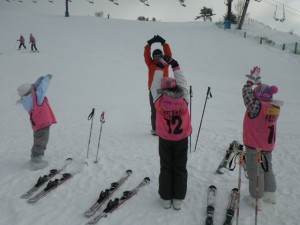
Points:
x=232, y=204
x=211, y=201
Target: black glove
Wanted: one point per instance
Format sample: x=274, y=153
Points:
x=166, y=59
x=152, y=40
x=174, y=63
x=160, y=39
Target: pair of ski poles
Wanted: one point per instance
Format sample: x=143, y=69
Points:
x=259, y=162
x=102, y=120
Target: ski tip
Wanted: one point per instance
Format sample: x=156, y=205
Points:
x=129, y=171
x=147, y=179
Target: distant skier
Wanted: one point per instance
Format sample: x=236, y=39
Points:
x=173, y=126
x=33, y=43
x=259, y=132
x=41, y=117
x=151, y=64
x=22, y=42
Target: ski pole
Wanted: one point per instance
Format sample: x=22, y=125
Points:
x=259, y=161
x=208, y=94
x=241, y=162
x=191, y=95
x=90, y=117
x=102, y=120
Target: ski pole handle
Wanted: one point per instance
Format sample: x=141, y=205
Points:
x=258, y=156
x=91, y=114
x=102, y=120
x=90, y=117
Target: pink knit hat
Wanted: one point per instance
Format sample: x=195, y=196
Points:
x=168, y=82
x=265, y=92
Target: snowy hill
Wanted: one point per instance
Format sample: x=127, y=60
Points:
x=98, y=63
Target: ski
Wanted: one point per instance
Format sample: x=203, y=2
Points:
x=211, y=201
x=114, y=204
x=231, y=206
x=104, y=195
x=43, y=179
x=52, y=184
x=234, y=147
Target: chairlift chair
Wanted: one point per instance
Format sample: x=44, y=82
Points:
x=145, y=2
x=274, y=15
x=182, y=3
x=283, y=15
x=115, y=2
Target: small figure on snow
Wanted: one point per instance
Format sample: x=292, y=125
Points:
x=173, y=126
x=151, y=64
x=22, y=42
x=35, y=102
x=259, y=134
x=33, y=43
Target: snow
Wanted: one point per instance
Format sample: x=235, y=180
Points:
x=98, y=63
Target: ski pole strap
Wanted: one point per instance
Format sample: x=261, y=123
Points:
x=232, y=162
x=264, y=162
x=91, y=114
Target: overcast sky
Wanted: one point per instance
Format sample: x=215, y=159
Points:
x=167, y=10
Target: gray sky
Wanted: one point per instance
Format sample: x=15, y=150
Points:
x=167, y=10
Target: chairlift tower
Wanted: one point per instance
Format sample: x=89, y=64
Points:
x=67, y=8
x=243, y=15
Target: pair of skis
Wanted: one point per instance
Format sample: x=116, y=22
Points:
x=211, y=201
x=113, y=204
x=51, y=184
x=105, y=195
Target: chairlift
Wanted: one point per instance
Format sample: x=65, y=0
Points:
x=115, y=2
x=182, y=3
x=145, y=2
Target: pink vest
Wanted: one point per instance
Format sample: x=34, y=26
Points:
x=41, y=116
x=172, y=118
x=260, y=132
